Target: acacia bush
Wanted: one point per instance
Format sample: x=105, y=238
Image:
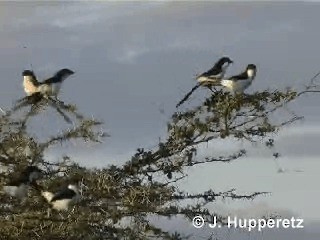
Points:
x=117, y=201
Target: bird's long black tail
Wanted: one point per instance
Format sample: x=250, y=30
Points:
x=185, y=98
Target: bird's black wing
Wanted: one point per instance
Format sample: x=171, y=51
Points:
x=185, y=98
x=242, y=76
x=211, y=72
x=64, y=194
x=51, y=80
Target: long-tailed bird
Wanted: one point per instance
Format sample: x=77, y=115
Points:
x=18, y=186
x=212, y=76
x=238, y=83
x=48, y=87
x=216, y=72
x=62, y=199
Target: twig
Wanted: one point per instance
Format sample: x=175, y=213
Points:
x=55, y=106
x=308, y=91
x=314, y=77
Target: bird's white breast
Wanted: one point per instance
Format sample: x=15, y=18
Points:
x=47, y=195
x=236, y=86
x=28, y=86
x=213, y=78
x=227, y=83
x=251, y=73
x=202, y=79
x=61, y=205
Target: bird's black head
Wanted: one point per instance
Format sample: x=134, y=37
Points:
x=224, y=60
x=252, y=67
x=26, y=73
x=65, y=72
x=251, y=70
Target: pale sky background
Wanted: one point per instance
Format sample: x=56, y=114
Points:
x=135, y=60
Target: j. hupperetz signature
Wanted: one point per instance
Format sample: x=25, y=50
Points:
x=252, y=223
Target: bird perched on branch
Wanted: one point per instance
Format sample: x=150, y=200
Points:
x=49, y=87
x=238, y=83
x=18, y=186
x=210, y=77
x=62, y=199
x=216, y=72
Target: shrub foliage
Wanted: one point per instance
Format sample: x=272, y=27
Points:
x=118, y=202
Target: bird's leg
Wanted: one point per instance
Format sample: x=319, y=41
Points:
x=212, y=89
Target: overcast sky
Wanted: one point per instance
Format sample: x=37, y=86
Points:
x=135, y=60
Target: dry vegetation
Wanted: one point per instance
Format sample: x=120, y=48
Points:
x=118, y=200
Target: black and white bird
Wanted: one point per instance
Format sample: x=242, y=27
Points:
x=63, y=199
x=49, y=87
x=239, y=83
x=18, y=186
x=216, y=72
x=210, y=77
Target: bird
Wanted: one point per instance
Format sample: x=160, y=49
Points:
x=18, y=187
x=216, y=72
x=30, y=82
x=238, y=83
x=62, y=199
x=49, y=87
x=210, y=77
x=46, y=90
